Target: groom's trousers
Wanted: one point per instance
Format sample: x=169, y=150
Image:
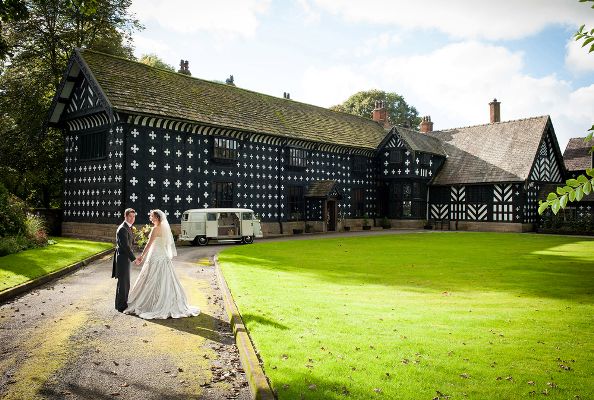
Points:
x=122, y=289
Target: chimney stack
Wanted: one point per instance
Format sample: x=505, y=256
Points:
x=426, y=124
x=495, y=111
x=380, y=114
x=184, y=67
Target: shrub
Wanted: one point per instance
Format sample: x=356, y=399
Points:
x=12, y=214
x=35, y=229
x=13, y=244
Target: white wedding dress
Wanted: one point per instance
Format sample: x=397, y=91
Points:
x=157, y=292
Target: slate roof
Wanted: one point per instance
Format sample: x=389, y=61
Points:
x=134, y=87
x=322, y=189
x=417, y=141
x=498, y=152
x=576, y=155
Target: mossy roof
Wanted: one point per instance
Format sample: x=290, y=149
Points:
x=133, y=87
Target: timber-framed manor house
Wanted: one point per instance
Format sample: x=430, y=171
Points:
x=142, y=137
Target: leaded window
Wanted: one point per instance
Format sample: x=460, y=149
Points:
x=93, y=145
x=359, y=164
x=225, y=148
x=396, y=156
x=222, y=194
x=297, y=157
x=296, y=203
x=358, y=202
x=479, y=194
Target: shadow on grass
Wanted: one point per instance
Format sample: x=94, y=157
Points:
x=523, y=264
x=258, y=319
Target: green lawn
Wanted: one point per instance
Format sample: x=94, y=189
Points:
x=30, y=264
x=420, y=316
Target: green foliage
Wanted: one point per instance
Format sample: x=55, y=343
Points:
x=12, y=214
x=31, y=160
x=363, y=103
x=10, y=10
x=35, y=229
x=471, y=315
x=13, y=244
x=154, y=61
x=385, y=223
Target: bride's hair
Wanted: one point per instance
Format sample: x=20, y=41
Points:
x=155, y=214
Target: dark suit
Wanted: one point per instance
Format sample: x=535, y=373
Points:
x=121, y=265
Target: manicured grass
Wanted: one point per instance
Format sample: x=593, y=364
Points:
x=420, y=316
x=30, y=264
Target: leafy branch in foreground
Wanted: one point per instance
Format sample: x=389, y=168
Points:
x=574, y=190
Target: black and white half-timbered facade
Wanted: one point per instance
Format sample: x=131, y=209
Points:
x=141, y=137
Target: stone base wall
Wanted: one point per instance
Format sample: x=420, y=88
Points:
x=491, y=226
x=99, y=232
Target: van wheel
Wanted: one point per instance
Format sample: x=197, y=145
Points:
x=200, y=241
x=247, y=239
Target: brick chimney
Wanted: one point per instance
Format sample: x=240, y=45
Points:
x=379, y=113
x=426, y=124
x=495, y=111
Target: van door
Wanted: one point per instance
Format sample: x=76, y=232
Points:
x=211, y=225
x=257, y=228
x=247, y=224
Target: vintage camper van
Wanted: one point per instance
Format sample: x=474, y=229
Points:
x=201, y=225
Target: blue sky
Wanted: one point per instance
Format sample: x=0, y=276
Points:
x=447, y=58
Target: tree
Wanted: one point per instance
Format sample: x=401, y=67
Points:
x=574, y=189
x=363, y=103
x=154, y=61
x=31, y=160
x=10, y=10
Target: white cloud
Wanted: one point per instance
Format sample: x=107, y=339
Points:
x=144, y=45
x=333, y=85
x=577, y=58
x=502, y=19
x=311, y=16
x=227, y=17
x=454, y=85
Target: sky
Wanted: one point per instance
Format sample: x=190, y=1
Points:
x=448, y=59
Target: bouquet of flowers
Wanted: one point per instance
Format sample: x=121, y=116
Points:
x=141, y=236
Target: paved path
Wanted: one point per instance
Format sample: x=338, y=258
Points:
x=65, y=341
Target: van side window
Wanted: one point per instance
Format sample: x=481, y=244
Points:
x=246, y=216
x=211, y=216
x=185, y=216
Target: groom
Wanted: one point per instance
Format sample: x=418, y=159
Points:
x=122, y=259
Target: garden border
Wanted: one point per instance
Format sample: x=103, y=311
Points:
x=14, y=291
x=257, y=379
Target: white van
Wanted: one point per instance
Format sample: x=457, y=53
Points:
x=201, y=225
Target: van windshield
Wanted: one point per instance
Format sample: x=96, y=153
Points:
x=211, y=216
x=185, y=216
x=246, y=216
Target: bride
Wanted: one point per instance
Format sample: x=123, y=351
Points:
x=157, y=292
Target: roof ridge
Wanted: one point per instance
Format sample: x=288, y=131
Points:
x=494, y=123
x=83, y=50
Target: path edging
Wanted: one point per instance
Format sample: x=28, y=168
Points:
x=12, y=292
x=255, y=376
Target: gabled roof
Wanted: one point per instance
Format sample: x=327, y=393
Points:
x=577, y=155
x=498, y=152
x=133, y=87
x=417, y=141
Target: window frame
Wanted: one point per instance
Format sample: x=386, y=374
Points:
x=295, y=203
x=98, y=135
x=358, y=202
x=220, y=190
x=297, y=157
x=225, y=148
x=359, y=164
x=396, y=156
